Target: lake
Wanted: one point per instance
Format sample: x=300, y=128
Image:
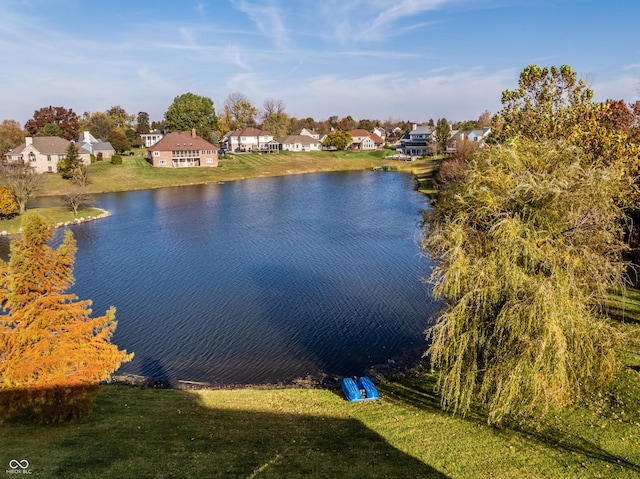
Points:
x=260, y=280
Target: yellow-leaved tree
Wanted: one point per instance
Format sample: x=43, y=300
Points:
x=53, y=354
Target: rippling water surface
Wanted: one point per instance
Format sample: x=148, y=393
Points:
x=261, y=280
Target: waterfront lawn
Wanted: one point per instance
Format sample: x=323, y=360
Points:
x=276, y=433
x=52, y=215
x=136, y=173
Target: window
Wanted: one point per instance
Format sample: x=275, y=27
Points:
x=32, y=157
x=49, y=168
x=48, y=157
x=162, y=162
x=156, y=153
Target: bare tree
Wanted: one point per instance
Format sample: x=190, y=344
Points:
x=21, y=180
x=77, y=197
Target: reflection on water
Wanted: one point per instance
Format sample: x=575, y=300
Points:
x=260, y=280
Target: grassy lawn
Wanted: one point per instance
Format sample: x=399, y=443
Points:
x=135, y=173
x=52, y=215
x=289, y=433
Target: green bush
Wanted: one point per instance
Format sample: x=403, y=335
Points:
x=116, y=160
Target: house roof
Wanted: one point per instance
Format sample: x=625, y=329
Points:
x=103, y=146
x=249, y=131
x=48, y=145
x=302, y=139
x=361, y=132
x=182, y=140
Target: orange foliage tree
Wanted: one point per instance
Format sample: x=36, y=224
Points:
x=53, y=355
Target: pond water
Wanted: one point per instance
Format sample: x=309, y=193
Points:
x=261, y=280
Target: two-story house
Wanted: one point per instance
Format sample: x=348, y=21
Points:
x=365, y=140
x=151, y=138
x=250, y=139
x=416, y=142
x=182, y=149
x=42, y=153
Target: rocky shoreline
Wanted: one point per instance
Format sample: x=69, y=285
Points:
x=75, y=221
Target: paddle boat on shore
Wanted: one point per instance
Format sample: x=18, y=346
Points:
x=362, y=390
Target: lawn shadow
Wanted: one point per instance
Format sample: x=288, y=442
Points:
x=146, y=432
x=421, y=393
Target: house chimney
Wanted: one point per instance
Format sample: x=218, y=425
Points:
x=28, y=141
x=193, y=133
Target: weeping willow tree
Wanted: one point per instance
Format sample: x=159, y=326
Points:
x=527, y=245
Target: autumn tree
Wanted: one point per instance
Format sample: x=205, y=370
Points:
x=484, y=120
x=239, y=112
x=78, y=197
x=189, y=111
x=64, y=118
x=21, y=180
x=347, y=123
x=338, y=139
x=8, y=206
x=11, y=135
x=274, y=118
x=53, y=355
x=99, y=124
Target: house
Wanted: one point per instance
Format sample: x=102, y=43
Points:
x=152, y=137
x=477, y=136
x=301, y=143
x=43, y=153
x=416, y=142
x=250, y=139
x=380, y=132
x=95, y=146
x=182, y=149
x=307, y=132
x=365, y=140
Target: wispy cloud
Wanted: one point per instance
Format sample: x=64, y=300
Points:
x=268, y=17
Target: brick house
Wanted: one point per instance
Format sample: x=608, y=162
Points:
x=181, y=149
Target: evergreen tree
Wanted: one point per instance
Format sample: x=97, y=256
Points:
x=52, y=353
x=70, y=162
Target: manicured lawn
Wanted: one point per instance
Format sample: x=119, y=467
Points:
x=52, y=215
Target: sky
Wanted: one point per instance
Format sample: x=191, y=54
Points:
x=411, y=60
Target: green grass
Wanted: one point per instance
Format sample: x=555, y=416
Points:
x=52, y=215
x=289, y=433
x=136, y=173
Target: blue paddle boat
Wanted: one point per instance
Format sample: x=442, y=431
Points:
x=363, y=390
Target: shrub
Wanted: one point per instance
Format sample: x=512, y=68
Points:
x=116, y=160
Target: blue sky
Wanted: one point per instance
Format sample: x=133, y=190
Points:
x=377, y=59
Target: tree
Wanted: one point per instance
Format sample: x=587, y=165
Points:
x=121, y=119
x=239, y=112
x=528, y=245
x=442, y=133
x=275, y=120
x=52, y=353
x=67, y=120
x=338, y=139
x=119, y=141
x=100, y=124
x=142, y=123
x=11, y=135
x=78, y=197
x=21, y=181
x=50, y=129
x=347, y=124
x=484, y=120
x=549, y=103
x=71, y=161
x=366, y=125
x=189, y=111
x=528, y=242
x=8, y=206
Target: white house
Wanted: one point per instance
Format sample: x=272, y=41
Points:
x=416, y=142
x=152, y=137
x=42, y=153
x=301, y=143
x=249, y=140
